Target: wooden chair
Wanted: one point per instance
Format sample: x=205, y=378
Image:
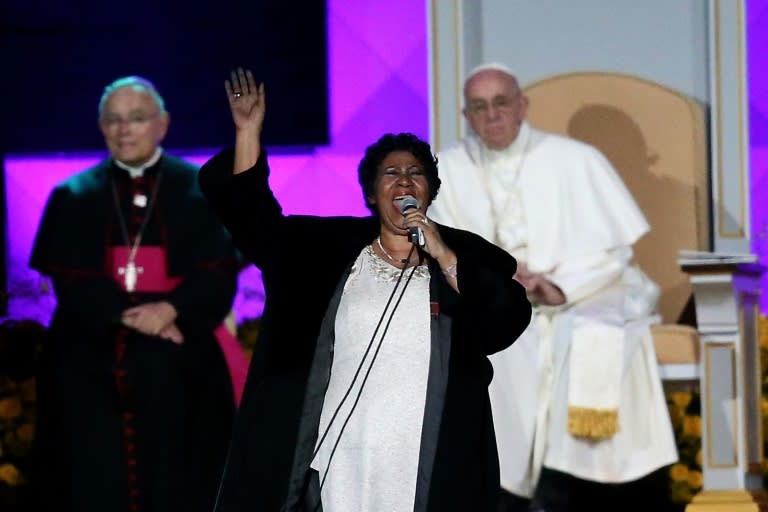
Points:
x=656, y=139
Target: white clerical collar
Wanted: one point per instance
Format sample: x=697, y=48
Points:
x=514, y=150
x=137, y=171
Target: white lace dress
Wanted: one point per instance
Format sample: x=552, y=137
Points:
x=374, y=466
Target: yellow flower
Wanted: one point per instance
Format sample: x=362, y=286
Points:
x=681, y=398
x=763, y=330
x=695, y=479
x=679, y=472
x=10, y=407
x=692, y=426
x=680, y=493
x=676, y=416
x=26, y=432
x=9, y=474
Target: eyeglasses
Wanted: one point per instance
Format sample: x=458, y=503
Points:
x=137, y=120
x=481, y=107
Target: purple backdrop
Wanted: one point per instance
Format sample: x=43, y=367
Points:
x=378, y=83
x=757, y=47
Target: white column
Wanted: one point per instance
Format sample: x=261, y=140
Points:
x=727, y=308
x=729, y=126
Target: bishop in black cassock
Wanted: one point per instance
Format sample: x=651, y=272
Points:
x=130, y=421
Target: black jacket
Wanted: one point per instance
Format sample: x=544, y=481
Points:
x=304, y=261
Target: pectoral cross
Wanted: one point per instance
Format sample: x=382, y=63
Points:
x=131, y=273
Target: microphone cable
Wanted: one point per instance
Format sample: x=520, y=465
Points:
x=365, y=377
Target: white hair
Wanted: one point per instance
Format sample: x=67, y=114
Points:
x=137, y=83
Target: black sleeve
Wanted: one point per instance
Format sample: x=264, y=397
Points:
x=244, y=203
x=88, y=299
x=492, y=307
x=204, y=297
x=93, y=303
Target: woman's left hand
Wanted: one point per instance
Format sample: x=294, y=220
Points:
x=433, y=242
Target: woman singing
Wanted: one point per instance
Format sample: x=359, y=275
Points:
x=368, y=388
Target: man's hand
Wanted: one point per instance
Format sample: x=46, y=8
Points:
x=173, y=334
x=540, y=289
x=154, y=319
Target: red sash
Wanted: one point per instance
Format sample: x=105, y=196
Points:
x=151, y=269
x=151, y=277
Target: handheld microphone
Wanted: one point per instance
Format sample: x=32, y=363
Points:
x=416, y=235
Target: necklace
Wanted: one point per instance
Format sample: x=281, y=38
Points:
x=378, y=241
x=131, y=272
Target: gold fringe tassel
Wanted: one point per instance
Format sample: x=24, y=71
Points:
x=593, y=424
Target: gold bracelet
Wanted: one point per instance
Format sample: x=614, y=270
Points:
x=450, y=271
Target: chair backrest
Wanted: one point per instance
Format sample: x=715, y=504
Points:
x=656, y=139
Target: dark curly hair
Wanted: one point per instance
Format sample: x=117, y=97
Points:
x=368, y=169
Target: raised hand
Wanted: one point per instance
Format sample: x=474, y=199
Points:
x=246, y=100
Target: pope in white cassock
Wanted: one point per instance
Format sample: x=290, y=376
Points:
x=579, y=393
